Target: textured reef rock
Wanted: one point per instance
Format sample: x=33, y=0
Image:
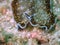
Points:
x=9, y=35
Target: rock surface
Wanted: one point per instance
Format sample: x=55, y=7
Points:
x=9, y=35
